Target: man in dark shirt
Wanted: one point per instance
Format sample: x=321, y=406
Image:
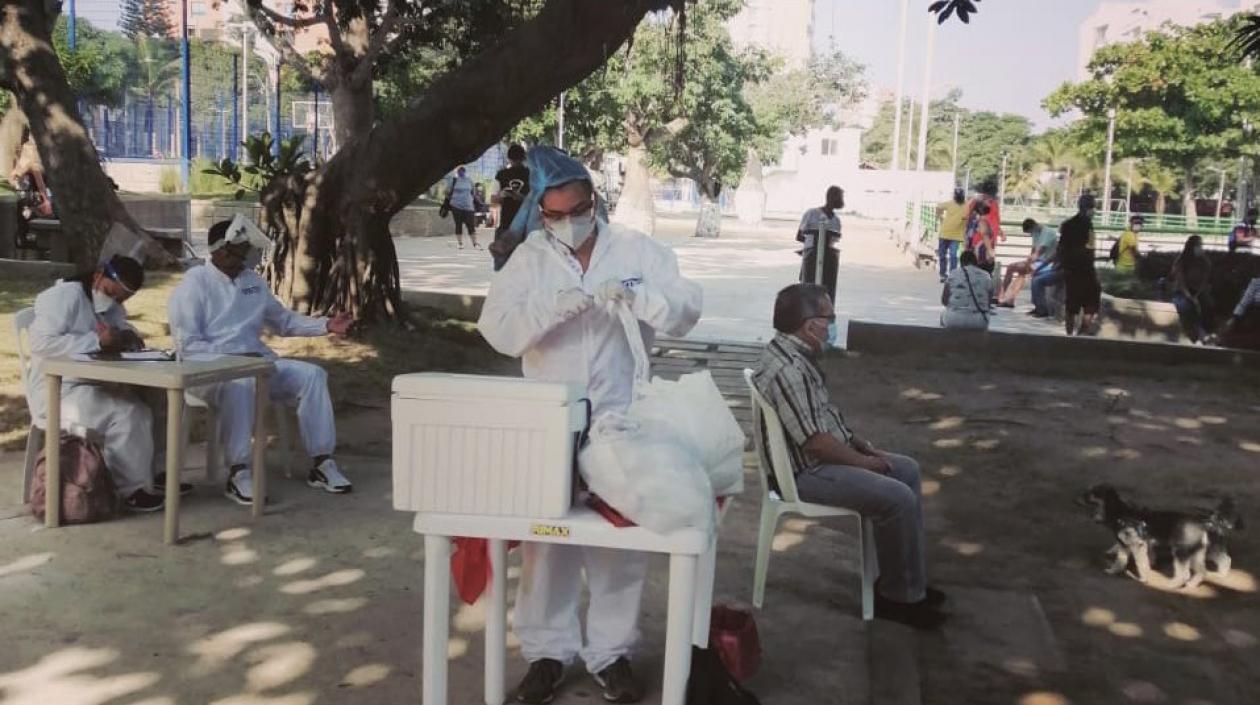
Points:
x=513, y=187
x=1083, y=293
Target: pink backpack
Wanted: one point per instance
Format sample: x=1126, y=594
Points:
x=88, y=494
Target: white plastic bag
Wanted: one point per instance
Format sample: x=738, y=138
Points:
x=694, y=409
x=647, y=474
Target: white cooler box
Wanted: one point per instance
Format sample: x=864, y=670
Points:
x=472, y=444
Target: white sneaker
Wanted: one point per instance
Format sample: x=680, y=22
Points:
x=240, y=487
x=326, y=476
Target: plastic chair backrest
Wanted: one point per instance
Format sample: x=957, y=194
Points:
x=22, y=321
x=767, y=428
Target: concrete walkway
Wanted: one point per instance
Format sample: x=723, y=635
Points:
x=740, y=273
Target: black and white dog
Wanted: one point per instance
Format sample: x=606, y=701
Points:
x=1190, y=539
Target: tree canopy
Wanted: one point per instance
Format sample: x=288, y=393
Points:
x=1180, y=96
x=146, y=18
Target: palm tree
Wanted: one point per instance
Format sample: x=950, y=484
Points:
x=1055, y=152
x=1163, y=182
x=156, y=73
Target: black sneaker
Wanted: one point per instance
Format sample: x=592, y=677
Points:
x=917, y=615
x=327, y=477
x=619, y=683
x=240, y=487
x=141, y=501
x=541, y=682
x=159, y=486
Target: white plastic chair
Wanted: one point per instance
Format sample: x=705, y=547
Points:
x=214, y=446
x=35, y=435
x=775, y=459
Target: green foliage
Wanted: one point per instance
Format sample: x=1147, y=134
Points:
x=101, y=67
x=793, y=101
x=168, y=180
x=262, y=166
x=146, y=18
x=983, y=137
x=1180, y=97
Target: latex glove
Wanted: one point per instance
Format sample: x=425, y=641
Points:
x=614, y=292
x=571, y=303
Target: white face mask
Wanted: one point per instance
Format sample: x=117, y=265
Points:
x=573, y=230
x=101, y=302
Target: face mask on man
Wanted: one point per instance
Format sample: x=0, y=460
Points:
x=573, y=230
x=101, y=302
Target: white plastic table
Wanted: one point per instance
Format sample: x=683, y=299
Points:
x=691, y=564
x=175, y=378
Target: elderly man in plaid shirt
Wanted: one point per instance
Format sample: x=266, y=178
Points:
x=835, y=466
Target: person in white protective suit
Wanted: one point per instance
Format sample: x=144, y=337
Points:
x=221, y=309
x=550, y=307
x=85, y=314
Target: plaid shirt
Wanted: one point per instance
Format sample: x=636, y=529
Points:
x=790, y=381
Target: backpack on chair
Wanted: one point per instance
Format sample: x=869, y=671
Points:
x=88, y=494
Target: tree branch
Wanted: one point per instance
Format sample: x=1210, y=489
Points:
x=284, y=20
x=293, y=58
x=381, y=40
x=334, y=32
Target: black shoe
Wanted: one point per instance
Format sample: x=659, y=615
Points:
x=619, y=683
x=1038, y=314
x=141, y=501
x=541, y=682
x=917, y=615
x=931, y=596
x=240, y=487
x=159, y=486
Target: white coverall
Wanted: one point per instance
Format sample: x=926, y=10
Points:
x=212, y=314
x=65, y=324
x=520, y=319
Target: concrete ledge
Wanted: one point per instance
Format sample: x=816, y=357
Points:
x=465, y=307
x=35, y=269
x=1137, y=319
x=891, y=339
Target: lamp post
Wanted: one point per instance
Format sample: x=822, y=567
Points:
x=71, y=34
x=1128, y=191
x=954, y=168
x=1111, y=141
x=901, y=80
x=1002, y=182
x=1220, y=191
x=560, y=122
x=921, y=161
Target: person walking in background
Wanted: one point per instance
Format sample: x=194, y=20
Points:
x=513, y=183
x=1080, y=279
x=462, y=202
x=993, y=214
x=983, y=240
x=1127, y=246
x=953, y=228
x=822, y=220
x=1244, y=234
x=1045, y=242
x=966, y=296
x=1191, y=279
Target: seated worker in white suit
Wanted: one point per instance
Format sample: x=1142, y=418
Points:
x=221, y=309
x=548, y=307
x=85, y=314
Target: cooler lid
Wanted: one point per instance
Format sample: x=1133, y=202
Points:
x=443, y=385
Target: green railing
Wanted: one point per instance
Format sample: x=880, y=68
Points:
x=1215, y=231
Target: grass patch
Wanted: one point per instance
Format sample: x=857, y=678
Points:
x=360, y=369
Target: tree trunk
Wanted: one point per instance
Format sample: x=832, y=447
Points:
x=635, y=207
x=1187, y=198
x=1159, y=203
x=29, y=68
x=709, y=222
x=335, y=250
x=353, y=108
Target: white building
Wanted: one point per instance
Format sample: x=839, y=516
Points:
x=782, y=27
x=1118, y=22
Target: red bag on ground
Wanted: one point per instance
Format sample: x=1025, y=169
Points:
x=733, y=634
x=88, y=494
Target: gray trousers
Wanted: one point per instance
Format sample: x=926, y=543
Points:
x=893, y=503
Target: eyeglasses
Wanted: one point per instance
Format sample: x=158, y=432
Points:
x=580, y=209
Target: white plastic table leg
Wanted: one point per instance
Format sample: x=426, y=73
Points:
x=496, y=624
x=678, y=628
x=704, y=596
x=437, y=618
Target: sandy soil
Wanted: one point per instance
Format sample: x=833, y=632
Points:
x=319, y=603
x=1004, y=452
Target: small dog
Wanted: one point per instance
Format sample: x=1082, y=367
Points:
x=1190, y=538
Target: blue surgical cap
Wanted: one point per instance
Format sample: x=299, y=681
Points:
x=549, y=167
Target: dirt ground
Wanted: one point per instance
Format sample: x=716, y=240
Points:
x=319, y=603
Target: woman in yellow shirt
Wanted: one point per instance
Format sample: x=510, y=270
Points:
x=1127, y=247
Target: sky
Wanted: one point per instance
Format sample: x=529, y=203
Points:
x=1012, y=55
